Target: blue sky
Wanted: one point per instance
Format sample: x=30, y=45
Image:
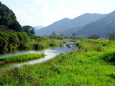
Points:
x=45, y=12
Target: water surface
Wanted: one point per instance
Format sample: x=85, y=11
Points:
x=49, y=54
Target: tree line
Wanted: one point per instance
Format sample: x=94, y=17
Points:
x=12, y=41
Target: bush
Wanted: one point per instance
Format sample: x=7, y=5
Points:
x=41, y=45
x=93, y=36
x=12, y=41
x=109, y=56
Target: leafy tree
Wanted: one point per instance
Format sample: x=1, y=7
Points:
x=93, y=36
x=12, y=41
x=29, y=30
x=111, y=36
x=23, y=38
x=8, y=18
x=3, y=42
x=53, y=35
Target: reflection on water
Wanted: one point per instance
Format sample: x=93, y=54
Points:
x=49, y=53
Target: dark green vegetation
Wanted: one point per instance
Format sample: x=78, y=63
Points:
x=22, y=57
x=15, y=37
x=29, y=30
x=8, y=20
x=91, y=65
x=12, y=41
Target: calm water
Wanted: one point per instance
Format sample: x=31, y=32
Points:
x=49, y=54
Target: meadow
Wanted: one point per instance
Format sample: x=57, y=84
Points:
x=91, y=65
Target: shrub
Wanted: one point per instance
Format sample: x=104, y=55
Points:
x=109, y=56
x=93, y=36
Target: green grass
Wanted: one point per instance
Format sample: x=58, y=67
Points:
x=85, y=67
x=21, y=57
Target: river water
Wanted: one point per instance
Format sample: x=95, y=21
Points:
x=49, y=54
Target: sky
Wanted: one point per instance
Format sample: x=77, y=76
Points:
x=45, y=12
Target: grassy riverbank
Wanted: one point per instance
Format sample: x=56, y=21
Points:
x=91, y=65
x=22, y=57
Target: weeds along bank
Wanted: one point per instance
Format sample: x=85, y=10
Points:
x=91, y=65
x=19, y=58
x=13, y=41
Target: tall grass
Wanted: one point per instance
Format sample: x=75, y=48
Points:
x=21, y=57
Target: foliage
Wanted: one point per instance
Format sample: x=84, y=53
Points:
x=109, y=56
x=29, y=30
x=12, y=41
x=93, y=36
x=3, y=42
x=53, y=35
x=23, y=38
x=8, y=18
x=41, y=45
x=111, y=36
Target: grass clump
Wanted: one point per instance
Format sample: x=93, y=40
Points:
x=21, y=57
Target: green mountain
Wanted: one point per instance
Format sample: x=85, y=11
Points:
x=8, y=19
x=67, y=24
x=102, y=27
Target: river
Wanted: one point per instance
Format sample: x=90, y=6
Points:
x=49, y=54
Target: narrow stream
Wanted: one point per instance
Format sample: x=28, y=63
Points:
x=49, y=53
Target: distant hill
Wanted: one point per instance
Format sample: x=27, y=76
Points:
x=102, y=27
x=66, y=24
x=36, y=28
x=8, y=19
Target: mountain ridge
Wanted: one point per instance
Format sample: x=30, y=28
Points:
x=102, y=26
x=66, y=23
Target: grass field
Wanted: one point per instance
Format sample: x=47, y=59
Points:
x=21, y=57
x=91, y=65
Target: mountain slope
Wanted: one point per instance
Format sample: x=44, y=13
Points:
x=8, y=19
x=102, y=27
x=36, y=28
x=66, y=23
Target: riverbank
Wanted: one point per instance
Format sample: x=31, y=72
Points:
x=19, y=58
x=86, y=67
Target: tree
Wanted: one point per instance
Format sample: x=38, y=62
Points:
x=53, y=35
x=111, y=36
x=29, y=30
x=8, y=19
x=93, y=36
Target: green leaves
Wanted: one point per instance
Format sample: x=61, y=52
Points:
x=12, y=41
x=29, y=30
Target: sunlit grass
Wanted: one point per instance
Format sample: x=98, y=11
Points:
x=21, y=57
x=85, y=67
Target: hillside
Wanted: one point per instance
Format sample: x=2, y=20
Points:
x=66, y=23
x=102, y=27
x=36, y=28
x=8, y=19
